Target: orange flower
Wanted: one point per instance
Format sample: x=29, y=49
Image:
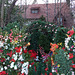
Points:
x=53, y=47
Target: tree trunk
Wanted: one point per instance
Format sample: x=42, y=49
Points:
x=68, y=2
x=47, y=9
x=9, y=12
x=2, y=13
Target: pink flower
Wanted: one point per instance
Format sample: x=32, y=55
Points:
x=46, y=69
x=50, y=74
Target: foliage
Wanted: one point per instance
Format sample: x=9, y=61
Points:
x=16, y=15
x=11, y=26
x=70, y=45
x=62, y=62
x=60, y=35
x=13, y=53
x=41, y=34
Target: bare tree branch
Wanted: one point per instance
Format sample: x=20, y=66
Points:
x=10, y=11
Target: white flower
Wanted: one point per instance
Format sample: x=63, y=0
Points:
x=30, y=65
x=1, y=44
x=66, y=42
x=5, y=67
x=15, y=56
x=6, y=47
x=3, y=62
x=15, y=67
x=25, y=68
x=24, y=47
x=1, y=68
x=12, y=65
x=21, y=58
x=73, y=50
x=7, y=58
x=37, y=58
x=20, y=51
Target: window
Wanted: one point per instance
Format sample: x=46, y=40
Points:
x=35, y=10
x=59, y=21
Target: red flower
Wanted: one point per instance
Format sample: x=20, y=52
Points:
x=13, y=60
x=35, y=68
x=1, y=51
x=46, y=69
x=22, y=62
x=9, y=54
x=72, y=61
x=3, y=73
x=71, y=32
x=63, y=48
x=71, y=55
x=50, y=73
x=73, y=66
x=18, y=49
x=25, y=51
x=32, y=63
x=45, y=73
x=2, y=59
x=32, y=53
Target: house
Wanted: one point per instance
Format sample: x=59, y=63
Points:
x=54, y=14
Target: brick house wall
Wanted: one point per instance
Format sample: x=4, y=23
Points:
x=65, y=13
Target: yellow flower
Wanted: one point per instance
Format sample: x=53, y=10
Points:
x=16, y=41
x=58, y=65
